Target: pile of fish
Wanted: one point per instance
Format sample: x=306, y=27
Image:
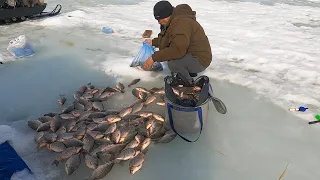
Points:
x=86, y=130
x=185, y=92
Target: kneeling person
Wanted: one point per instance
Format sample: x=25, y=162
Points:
x=182, y=41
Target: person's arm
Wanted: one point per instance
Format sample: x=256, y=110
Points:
x=179, y=44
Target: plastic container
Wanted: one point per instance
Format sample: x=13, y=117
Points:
x=20, y=47
x=107, y=30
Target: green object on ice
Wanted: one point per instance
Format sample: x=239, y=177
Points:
x=317, y=117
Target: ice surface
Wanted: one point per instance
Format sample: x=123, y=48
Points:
x=273, y=50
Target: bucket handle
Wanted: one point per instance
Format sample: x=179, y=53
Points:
x=199, y=109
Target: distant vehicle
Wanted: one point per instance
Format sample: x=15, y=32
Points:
x=12, y=11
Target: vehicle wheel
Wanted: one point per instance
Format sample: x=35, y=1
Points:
x=14, y=19
x=23, y=18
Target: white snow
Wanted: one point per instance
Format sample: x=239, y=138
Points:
x=268, y=47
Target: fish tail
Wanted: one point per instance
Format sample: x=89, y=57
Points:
x=56, y=162
x=144, y=151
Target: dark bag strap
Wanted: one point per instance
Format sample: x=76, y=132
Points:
x=190, y=109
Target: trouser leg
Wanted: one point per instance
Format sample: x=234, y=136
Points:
x=185, y=65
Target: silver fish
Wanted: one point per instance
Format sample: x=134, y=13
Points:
x=139, y=94
x=145, y=144
x=72, y=164
x=67, y=117
x=133, y=82
x=158, y=117
x=127, y=154
x=136, y=163
x=133, y=144
x=137, y=107
x=110, y=148
x=61, y=130
x=120, y=86
x=123, y=135
x=116, y=136
x=144, y=114
x=90, y=86
x=50, y=137
x=45, y=119
x=71, y=125
x=62, y=100
x=125, y=111
x=55, y=124
x=102, y=127
x=106, y=95
x=56, y=147
x=101, y=171
x=34, y=124
x=113, y=118
x=64, y=136
x=96, y=134
x=105, y=156
x=141, y=89
x=154, y=89
x=79, y=106
x=68, y=109
x=150, y=99
x=139, y=138
x=160, y=91
x=82, y=89
x=66, y=154
x=88, y=142
x=98, y=106
x=73, y=142
x=100, y=120
x=111, y=129
x=162, y=103
x=38, y=136
x=91, y=161
x=98, y=115
x=44, y=126
x=77, y=95
x=168, y=137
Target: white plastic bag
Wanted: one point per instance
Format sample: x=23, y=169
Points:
x=19, y=47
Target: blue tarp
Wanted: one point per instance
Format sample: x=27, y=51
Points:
x=10, y=161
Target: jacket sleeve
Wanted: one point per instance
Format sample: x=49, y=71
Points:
x=155, y=42
x=179, y=44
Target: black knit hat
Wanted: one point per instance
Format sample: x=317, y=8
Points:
x=162, y=9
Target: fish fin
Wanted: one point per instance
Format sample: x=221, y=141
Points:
x=56, y=162
x=145, y=151
x=121, y=163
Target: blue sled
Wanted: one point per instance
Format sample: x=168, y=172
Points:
x=10, y=162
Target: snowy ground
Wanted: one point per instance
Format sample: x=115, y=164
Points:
x=271, y=47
